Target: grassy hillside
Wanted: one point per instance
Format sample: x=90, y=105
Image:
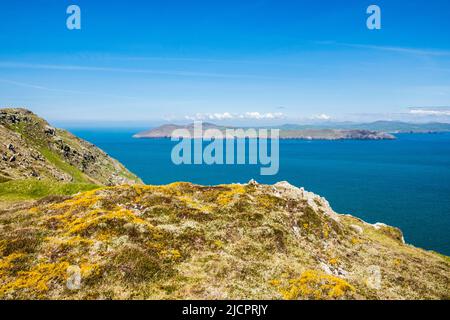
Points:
x=184, y=241
x=28, y=189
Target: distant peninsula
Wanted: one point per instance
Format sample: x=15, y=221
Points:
x=286, y=132
x=381, y=125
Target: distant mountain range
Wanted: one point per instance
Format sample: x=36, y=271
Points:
x=286, y=132
x=386, y=126
x=379, y=130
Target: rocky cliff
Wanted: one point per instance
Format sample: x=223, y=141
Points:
x=31, y=148
x=184, y=241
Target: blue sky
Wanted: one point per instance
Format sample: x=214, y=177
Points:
x=266, y=61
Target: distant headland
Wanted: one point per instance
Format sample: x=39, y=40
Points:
x=286, y=132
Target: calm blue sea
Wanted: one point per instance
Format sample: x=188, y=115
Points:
x=404, y=183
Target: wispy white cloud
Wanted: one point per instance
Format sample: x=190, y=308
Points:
x=15, y=65
x=404, y=50
x=236, y=116
x=43, y=88
x=23, y=84
x=321, y=116
x=254, y=62
x=260, y=116
x=210, y=116
x=431, y=111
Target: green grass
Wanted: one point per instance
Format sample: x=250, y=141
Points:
x=76, y=174
x=28, y=189
x=446, y=258
x=19, y=128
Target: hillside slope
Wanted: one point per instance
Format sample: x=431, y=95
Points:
x=184, y=241
x=31, y=148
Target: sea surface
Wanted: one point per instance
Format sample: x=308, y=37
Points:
x=404, y=182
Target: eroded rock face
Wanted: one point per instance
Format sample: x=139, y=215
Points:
x=316, y=202
x=30, y=147
x=21, y=160
x=184, y=241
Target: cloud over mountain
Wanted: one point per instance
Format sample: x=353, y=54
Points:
x=236, y=116
x=431, y=111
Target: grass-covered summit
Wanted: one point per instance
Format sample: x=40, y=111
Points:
x=184, y=241
x=32, y=149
